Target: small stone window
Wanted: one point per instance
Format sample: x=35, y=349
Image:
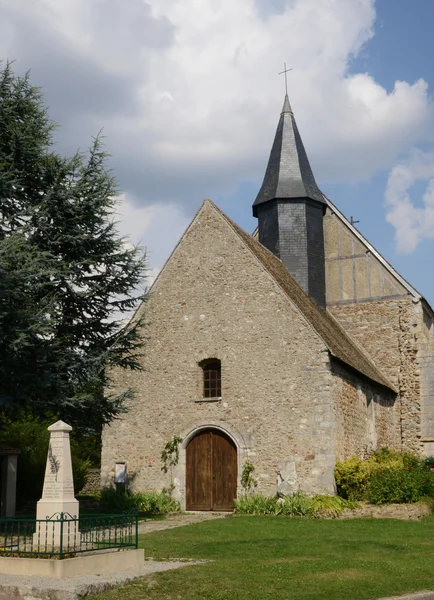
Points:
x=212, y=378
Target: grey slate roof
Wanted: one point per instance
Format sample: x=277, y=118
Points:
x=288, y=175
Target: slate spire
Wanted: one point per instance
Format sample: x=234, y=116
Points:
x=288, y=173
x=290, y=209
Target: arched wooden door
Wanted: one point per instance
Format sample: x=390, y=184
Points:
x=211, y=471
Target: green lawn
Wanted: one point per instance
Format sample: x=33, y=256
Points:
x=289, y=558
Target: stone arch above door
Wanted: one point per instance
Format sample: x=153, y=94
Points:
x=243, y=444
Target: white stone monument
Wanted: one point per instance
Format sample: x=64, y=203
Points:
x=57, y=495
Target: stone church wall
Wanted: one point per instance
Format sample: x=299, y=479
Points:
x=214, y=300
x=389, y=330
x=365, y=419
x=377, y=310
x=426, y=366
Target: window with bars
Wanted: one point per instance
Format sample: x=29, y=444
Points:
x=212, y=378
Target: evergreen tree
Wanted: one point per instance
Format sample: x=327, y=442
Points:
x=66, y=276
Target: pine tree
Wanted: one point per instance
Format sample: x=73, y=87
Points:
x=67, y=278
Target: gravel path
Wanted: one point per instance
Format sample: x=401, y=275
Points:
x=179, y=520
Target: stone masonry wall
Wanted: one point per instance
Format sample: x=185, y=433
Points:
x=93, y=482
x=214, y=300
x=426, y=366
x=389, y=332
x=365, y=416
x=407, y=512
x=409, y=378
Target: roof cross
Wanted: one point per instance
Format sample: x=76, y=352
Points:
x=285, y=70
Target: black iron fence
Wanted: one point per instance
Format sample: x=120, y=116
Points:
x=63, y=536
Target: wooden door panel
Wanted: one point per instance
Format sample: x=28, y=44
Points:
x=199, y=475
x=224, y=471
x=211, y=472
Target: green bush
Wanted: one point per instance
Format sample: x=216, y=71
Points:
x=400, y=485
x=352, y=478
x=429, y=462
x=331, y=506
x=353, y=475
x=113, y=500
x=298, y=505
x=387, y=476
x=256, y=504
x=158, y=503
x=80, y=470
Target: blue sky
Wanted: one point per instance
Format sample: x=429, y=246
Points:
x=188, y=96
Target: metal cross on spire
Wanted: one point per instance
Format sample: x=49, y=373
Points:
x=285, y=70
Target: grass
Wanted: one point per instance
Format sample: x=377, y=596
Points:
x=258, y=558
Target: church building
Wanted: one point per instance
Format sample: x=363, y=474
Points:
x=292, y=348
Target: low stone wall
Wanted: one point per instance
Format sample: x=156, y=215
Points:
x=93, y=483
x=410, y=512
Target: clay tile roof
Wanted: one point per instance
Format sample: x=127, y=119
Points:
x=339, y=344
x=289, y=174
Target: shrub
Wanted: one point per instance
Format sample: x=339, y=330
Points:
x=113, y=500
x=331, y=506
x=247, y=480
x=400, y=484
x=256, y=504
x=160, y=503
x=353, y=476
x=429, y=462
x=80, y=470
x=386, y=477
x=298, y=505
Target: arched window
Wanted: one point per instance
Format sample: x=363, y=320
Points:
x=212, y=378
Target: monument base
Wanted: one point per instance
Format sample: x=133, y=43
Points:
x=52, y=532
x=45, y=509
x=103, y=562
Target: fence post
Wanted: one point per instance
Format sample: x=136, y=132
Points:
x=137, y=530
x=61, y=536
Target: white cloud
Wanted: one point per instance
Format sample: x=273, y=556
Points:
x=188, y=90
x=188, y=94
x=156, y=226
x=412, y=223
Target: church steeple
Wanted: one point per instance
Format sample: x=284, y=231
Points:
x=288, y=173
x=290, y=209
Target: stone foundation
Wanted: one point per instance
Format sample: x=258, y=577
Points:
x=104, y=562
x=408, y=512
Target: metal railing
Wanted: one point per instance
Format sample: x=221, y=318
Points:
x=63, y=536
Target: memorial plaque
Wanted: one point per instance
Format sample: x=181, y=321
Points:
x=120, y=472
